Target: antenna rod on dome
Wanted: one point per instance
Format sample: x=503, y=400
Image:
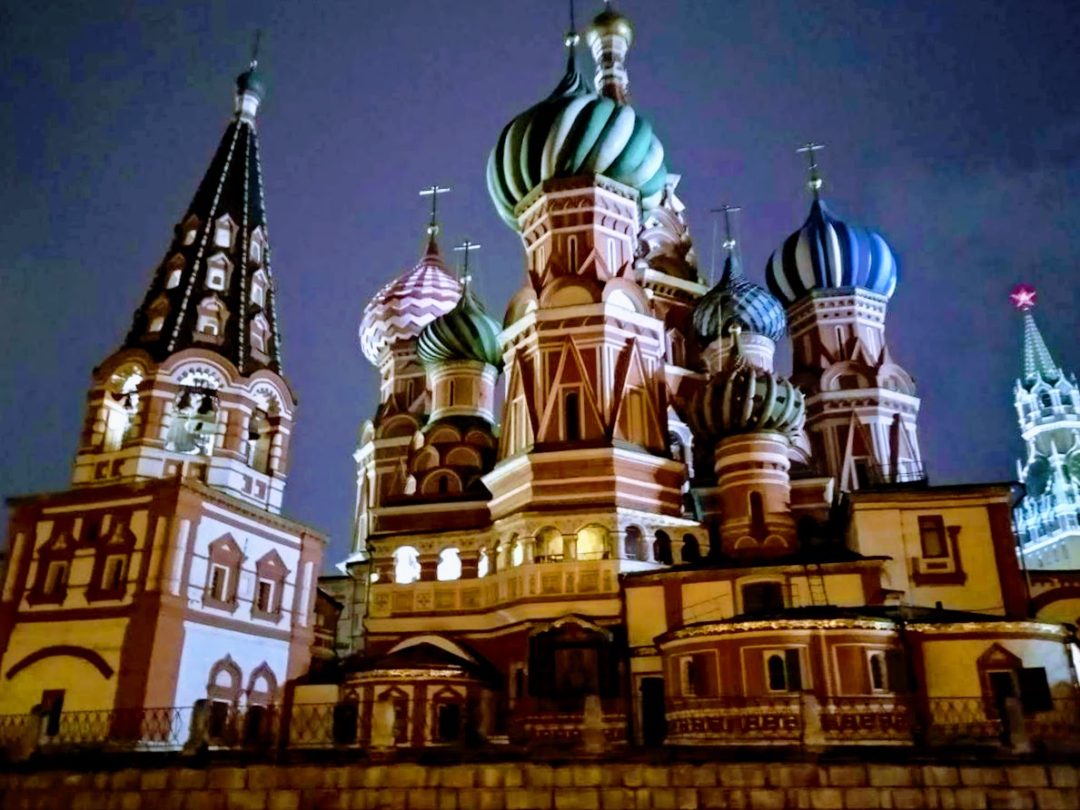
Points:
x=815, y=176
x=255, y=48
x=729, y=235
x=572, y=38
x=466, y=247
x=434, y=192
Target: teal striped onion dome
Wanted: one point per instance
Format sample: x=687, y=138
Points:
x=466, y=332
x=746, y=399
x=735, y=300
x=574, y=131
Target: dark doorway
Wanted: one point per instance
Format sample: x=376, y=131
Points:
x=653, y=719
x=448, y=725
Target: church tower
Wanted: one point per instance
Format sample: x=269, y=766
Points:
x=1048, y=408
x=586, y=412
x=166, y=577
x=836, y=280
x=196, y=389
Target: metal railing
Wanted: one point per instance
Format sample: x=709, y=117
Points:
x=981, y=721
x=792, y=719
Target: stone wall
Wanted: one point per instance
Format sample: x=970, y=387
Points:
x=525, y=786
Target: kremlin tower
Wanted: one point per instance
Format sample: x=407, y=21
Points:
x=1048, y=408
x=166, y=576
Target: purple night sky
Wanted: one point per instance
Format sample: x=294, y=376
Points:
x=952, y=127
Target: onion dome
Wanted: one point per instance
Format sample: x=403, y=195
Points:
x=746, y=399
x=572, y=132
x=826, y=253
x=464, y=333
x=251, y=81
x=735, y=300
x=404, y=306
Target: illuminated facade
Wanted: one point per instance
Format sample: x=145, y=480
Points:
x=1048, y=408
x=660, y=540
x=166, y=575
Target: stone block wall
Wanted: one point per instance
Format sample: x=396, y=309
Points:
x=525, y=786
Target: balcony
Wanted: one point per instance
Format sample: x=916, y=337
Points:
x=545, y=579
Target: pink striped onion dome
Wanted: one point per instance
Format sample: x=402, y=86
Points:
x=404, y=306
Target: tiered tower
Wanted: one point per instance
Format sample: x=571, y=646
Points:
x=166, y=576
x=585, y=420
x=196, y=390
x=836, y=280
x=1048, y=407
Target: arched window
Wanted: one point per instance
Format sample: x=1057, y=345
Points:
x=260, y=437
x=156, y=314
x=549, y=545
x=777, y=673
x=406, y=565
x=662, y=548
x=212, y=317
x=260, y=335
x=592, y=543
x=259, y=285
x=757, y=515
x=121, y=405
x=223, y=232
x=218, y=269
x=517, y=552
x=483, y=564
x=194, y=422
x=691, y=551
x=449, y=566
x=175, y=272
x=572, y=254
x=572, y=416
x=632, y=544
x=1046, y=400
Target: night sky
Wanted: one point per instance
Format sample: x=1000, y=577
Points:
x=953, y=127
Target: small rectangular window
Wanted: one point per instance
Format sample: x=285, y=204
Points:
x=932, y=536
x=113, y=577
x=56, y=577
x=1035, y=690
x=878, y=671
x=264, y=596
x=217, y=280
x=219, y=578
x=572, y=416
x=52, y=702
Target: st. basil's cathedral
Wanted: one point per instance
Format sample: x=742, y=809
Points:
x=602, y=521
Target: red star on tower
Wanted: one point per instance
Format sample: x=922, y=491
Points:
x=1023, y=297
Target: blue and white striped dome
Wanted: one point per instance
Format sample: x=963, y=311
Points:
x=826, y=253
x=737, y=300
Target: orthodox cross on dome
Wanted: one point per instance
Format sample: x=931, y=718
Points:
x=729, y=235
x=434, y=192
x=815, y=176
x=1023, y=297
x=466, y=247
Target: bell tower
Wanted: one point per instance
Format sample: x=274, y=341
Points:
x=167, y=569
x=196, y=390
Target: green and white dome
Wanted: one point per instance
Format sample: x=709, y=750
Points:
x=575, y=131
x=466, y=332
x=746, y=399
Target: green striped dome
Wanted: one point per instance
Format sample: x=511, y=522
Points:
x=464, y=333
x=574, y=131
x=745, y=399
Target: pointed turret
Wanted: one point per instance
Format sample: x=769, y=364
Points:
x=195, y=389
x=214, y=287
x=1048, y=408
